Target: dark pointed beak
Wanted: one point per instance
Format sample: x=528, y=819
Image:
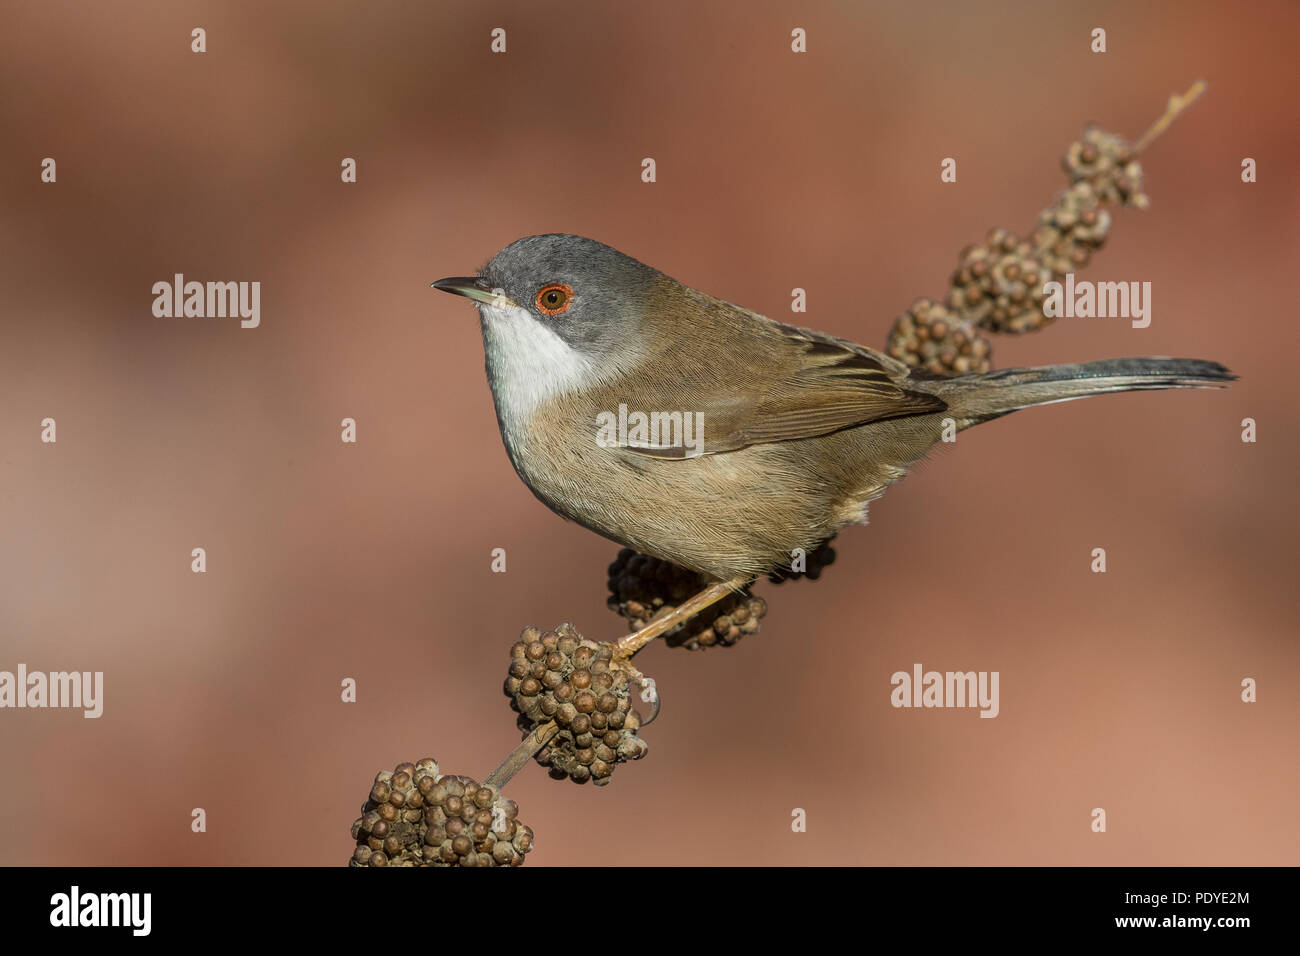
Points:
x=472, y=287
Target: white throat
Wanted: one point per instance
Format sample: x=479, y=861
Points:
x=528, y=364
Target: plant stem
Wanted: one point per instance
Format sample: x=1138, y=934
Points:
x=1177, y=103
x=522, y=754
x=714, y=593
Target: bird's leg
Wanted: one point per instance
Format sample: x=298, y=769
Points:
x=711, y=595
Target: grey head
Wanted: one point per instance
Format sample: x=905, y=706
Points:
x=559, y=314
x=590, y=295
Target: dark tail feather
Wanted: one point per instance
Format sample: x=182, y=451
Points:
x=985, y=395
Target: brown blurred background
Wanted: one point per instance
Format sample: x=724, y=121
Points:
x=371, y=560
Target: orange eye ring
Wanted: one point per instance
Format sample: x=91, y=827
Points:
x=555, y=298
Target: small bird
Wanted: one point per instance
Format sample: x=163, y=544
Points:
x=702, y=433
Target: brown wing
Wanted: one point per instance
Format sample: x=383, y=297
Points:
x=817, y=384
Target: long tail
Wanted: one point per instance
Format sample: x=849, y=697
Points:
x=986, y=395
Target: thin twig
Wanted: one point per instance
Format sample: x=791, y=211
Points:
x=1177, y=103
x=522, y=754
x=711, y=595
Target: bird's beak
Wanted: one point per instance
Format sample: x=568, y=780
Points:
x=473, y=287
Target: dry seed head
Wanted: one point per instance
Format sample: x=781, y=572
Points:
x=1109, y=164
x=589, y=694
x=454, y=828
x=930, y=336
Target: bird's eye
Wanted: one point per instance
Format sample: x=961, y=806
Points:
x=554, y=299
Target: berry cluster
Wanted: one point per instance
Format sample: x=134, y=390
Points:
x=998, y=284
x=586, y=690
x=418, y=817
x=928, y=336
x=642, y=588
x=1109, y=164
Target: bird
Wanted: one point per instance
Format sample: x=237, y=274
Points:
x=702, y=433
